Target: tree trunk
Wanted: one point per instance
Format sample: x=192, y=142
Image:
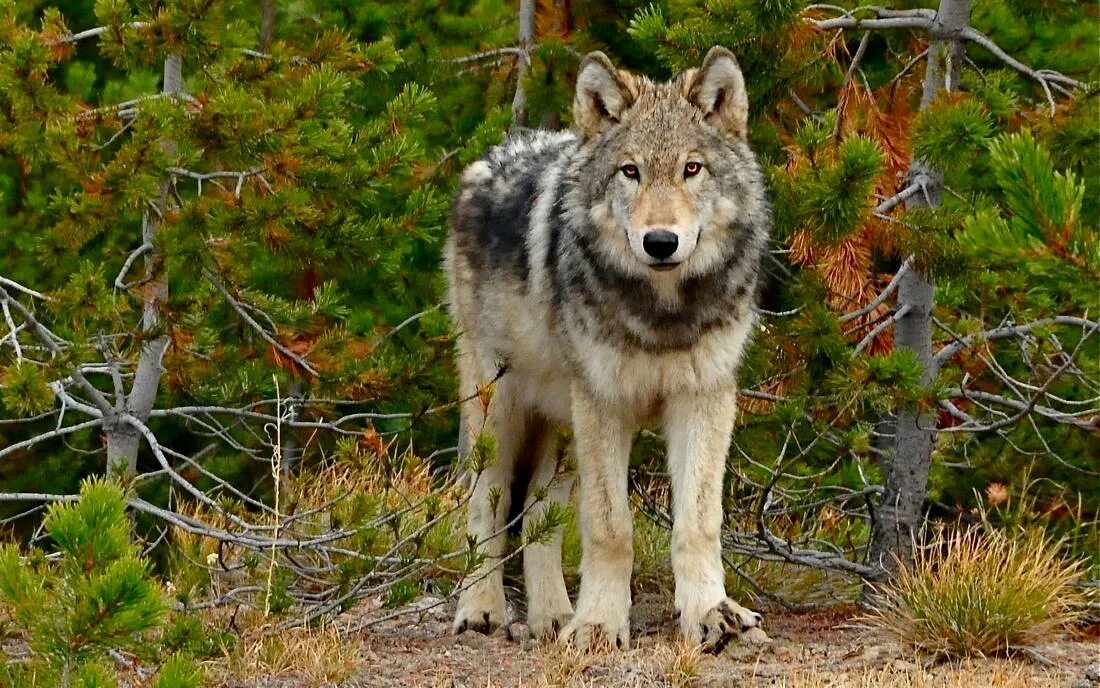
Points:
x=123, y=440
x=290, y=451
x=899, y=515
x=267, y=23
x=526, y=38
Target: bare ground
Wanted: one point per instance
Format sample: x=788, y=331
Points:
x=813, y=650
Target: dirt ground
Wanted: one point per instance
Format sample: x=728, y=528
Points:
x=812, y=650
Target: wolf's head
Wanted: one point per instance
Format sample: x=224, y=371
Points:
x=666, y=168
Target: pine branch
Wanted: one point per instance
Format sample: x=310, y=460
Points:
x=200, y=177
x=843, y=104
x=12, y=329
x=259, y=329
x=881, y=327
x=918, y=184
x=5, y=282
x=498, y=52
x=909, y=65
x=1024, y=408
x=908, y=22
x=129, y=108
x=48, y=339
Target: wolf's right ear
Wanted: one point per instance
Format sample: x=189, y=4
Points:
x=601, y=97
x=718, y=89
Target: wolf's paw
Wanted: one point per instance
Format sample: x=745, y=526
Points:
x=724, y=622
x=480, y=608
x=546, y=624
x=596, y=635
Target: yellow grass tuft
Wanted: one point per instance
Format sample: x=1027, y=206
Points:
x=311, y=657
x=682, y=668
x=980, y=593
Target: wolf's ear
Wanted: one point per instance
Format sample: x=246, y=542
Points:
x=602, y=96
x=718, y=89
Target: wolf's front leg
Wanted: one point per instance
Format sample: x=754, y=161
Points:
x=697, y=431
x=602, y=447
x=548, y=607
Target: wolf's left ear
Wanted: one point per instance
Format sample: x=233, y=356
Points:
x=718, y=89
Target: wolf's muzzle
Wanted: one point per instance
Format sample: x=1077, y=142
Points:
x=660, y=243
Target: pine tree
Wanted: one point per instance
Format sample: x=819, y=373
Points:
x=93, y=595
x=199, y=243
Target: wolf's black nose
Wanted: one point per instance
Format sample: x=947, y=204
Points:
x=660, y=243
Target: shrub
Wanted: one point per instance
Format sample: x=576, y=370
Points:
x=980, y=592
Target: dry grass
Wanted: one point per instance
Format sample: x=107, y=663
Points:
x=980, y=593
x=563, y=665
x=674, y=665
x=312, y=657
x=966, y=675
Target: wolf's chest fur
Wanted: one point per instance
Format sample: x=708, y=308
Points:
x=546, y=297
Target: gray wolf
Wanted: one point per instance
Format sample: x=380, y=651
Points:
x=605, y=278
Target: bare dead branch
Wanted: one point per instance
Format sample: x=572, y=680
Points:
x=1045, y=77
x=944, y=354
x=881, y=327
x=497, y=52
x=92, y=33
x=45, y=436
x=129, y=263
x=883, y=295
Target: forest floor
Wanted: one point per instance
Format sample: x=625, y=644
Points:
x=820, y=649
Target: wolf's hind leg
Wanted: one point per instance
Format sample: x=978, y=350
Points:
x=548, y=607
x=602, y=442
x=481, y=604
x=697, y=432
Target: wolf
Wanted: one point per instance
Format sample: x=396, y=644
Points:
x=603, y=279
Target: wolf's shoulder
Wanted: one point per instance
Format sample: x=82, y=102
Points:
x=491, y=213
x=525, y=144
x=522, y=151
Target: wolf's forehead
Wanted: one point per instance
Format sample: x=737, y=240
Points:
x=663, y=124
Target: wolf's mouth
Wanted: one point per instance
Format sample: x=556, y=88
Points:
x=663, y=267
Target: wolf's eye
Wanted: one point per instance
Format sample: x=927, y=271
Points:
x=630, y=172
x=692, y=168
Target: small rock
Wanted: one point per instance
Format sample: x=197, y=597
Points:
x=1093, y=673
x=755, y=635
x=431, y=606
x=519, y=632
x=472, y=639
